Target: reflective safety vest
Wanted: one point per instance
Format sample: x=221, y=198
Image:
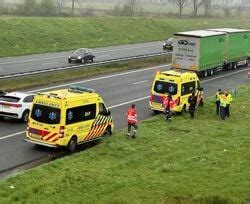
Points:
x=132, y=116
x=168, y=103
x=229, y=98
x=217, y=96
x=223, y=101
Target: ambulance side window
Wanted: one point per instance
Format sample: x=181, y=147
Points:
x=102, y=109
x=80, y=113
x=187, y=88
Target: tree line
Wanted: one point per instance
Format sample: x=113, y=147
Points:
x=121, y=8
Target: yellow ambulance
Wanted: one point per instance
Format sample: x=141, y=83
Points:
x=68, y=117
x=179, y=84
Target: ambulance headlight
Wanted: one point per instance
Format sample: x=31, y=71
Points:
x=79, y=57
x=69, y=56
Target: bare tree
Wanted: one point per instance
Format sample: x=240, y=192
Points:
x=207, y=6
x=181, y=4
x=196, y=5
x=60, y=4
x=131, y=4
x=73, y=7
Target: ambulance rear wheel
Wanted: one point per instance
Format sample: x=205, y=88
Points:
x=156, y=112
x=72, y=145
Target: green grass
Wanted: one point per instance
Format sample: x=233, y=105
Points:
x=204, y=160
x=26, y=35
x=80, y=73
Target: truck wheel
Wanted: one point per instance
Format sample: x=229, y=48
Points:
x=72, y=145
x=25, y=116
x=205, y=73
x=234, y=65
x=211, y=72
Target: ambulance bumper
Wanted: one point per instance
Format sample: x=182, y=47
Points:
x=40, y=143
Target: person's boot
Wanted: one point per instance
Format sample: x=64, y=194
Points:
x=127, y=135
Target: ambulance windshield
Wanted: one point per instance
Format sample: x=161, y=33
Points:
x=45, y=114
x=165, y=87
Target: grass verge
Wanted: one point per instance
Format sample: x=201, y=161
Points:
x=28, y=35
x=79, y=73
x=204, y=160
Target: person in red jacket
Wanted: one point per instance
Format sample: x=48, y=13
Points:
x=169, y=104
x=132, y=120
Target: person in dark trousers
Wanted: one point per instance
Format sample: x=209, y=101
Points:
x=192, y=100
x=217, y=97
x=132, y=120
x=228, y=101
x=223, y=105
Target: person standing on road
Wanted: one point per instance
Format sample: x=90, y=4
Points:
x=228, y=101
x=223, y=105
x=217, y=97
x=168, y=103
x=192, y=100
x=132, y=120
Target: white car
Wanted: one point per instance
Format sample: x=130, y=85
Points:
x=16, y=105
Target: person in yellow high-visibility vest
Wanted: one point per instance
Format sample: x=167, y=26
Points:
x=223, y=105
x=229, y=100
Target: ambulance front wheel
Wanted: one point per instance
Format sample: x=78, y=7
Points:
x=72, y=145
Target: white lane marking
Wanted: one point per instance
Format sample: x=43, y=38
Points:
x=12, y=135
x=110, y=107
x=48, y=63
x=128, y=102
x=67, y=54
x=99, y=78
x=140, y=82
x=125, y=103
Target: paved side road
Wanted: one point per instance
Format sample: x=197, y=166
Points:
x=15, y=65
x=119, y=91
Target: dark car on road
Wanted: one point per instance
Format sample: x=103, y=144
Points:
x=81, y=55
x=168, y=44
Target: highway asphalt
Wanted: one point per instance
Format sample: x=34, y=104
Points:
x=119, y=90
x=20, y=64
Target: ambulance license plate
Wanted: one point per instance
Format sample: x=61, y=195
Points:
x=35, y=136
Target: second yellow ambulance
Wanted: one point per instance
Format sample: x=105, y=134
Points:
x=179, y=85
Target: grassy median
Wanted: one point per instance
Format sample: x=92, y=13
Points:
x=204, y=160
x=29, y=35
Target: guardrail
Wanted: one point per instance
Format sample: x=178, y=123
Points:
x=82, y=65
